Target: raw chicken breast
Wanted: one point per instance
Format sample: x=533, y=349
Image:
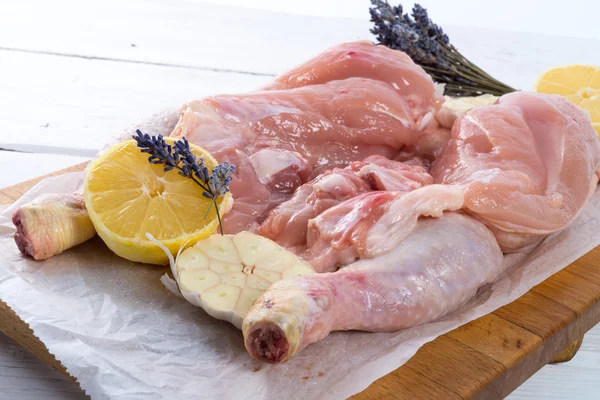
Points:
x=530, y=163
x=326, y=126
x=279, y=139
x=366, y=60
x=287, y=223
x=437, y=268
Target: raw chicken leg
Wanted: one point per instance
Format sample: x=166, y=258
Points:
x=437, y=268
x=530, y=163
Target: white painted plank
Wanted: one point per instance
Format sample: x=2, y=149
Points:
x=533, y=16
x=560, y=382
x=183, y=33
x=73, y=106
x=23, y=376
x=85, y=102
x=212, y=36
x=17, y=167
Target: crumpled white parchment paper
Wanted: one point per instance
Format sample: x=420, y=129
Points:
x=123, y=335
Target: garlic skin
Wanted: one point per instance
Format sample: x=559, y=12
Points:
x=225, y=274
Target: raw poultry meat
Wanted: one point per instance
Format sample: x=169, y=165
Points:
x=530, y=164
x=287, y=223
x=285, y=136
x=385, y=174
x=438, y=267
x=365, y=60
x=373, y=223
x=322, y=126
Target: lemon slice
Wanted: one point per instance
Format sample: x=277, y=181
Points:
x=578, y=83
x=127, y=197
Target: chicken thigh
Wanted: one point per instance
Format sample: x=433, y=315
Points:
x=530, y=163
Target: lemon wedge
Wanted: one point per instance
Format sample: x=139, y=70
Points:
x=578, y=83
x=127, y=197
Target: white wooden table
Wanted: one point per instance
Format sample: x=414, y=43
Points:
x=73, y=74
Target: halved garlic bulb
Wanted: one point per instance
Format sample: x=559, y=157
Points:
x=226, y=274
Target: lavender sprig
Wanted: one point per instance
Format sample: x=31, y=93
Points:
x=428, y=45
x=180, y=157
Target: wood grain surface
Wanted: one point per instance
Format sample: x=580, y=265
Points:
x=486, y=359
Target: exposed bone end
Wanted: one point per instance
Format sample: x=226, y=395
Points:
x=273, y=328
x=267, y=342
x=22, y=238
x=51, y=224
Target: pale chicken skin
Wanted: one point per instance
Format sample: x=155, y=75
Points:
x=437, y=268
x=530, y=163
x=350, y=102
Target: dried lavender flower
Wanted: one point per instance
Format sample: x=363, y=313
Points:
x=180, y=157
x=428, y=45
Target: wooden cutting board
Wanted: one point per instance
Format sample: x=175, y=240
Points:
x=487, y=358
